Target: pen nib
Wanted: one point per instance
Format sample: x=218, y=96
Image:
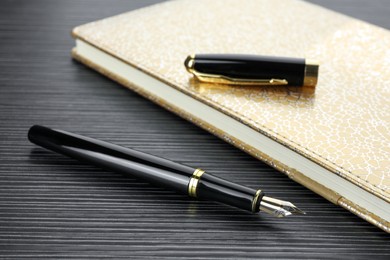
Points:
x=279, y=208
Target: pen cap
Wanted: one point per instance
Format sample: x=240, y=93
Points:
x=243, y=69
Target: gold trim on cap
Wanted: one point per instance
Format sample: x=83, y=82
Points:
x=221, y=79
x=311, y=73
x=193, y=184
x=189, y=63
x=255, y=199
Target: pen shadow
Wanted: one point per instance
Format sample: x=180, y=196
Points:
x=302, y=96
x=233, y=218
x=198, y=210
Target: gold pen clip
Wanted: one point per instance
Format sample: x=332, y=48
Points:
x=221, y=79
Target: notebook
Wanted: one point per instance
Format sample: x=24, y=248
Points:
x=334, y=139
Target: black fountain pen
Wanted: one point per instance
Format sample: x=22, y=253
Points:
x=159, y=171
x=244, y=69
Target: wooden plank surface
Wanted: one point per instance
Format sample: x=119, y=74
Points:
x=54, y=207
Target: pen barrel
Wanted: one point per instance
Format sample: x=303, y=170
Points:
x=214, y=188
x=153, y=169
x=296, y=71
x=156, y=170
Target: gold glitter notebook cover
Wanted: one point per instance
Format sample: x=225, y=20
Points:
x=342, y=124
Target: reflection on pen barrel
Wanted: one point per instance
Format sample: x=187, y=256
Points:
x=241, y=69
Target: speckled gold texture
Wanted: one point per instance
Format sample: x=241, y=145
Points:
x=342, y=125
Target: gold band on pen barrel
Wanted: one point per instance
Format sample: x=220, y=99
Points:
x=193, y=184
x=255, y=199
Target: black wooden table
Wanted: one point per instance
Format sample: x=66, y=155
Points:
x=55, y=207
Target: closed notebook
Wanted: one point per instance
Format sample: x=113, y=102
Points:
x=333, y=139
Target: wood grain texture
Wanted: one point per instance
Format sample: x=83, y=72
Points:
x=54, y=207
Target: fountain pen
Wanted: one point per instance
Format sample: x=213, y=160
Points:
x=159, y=171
